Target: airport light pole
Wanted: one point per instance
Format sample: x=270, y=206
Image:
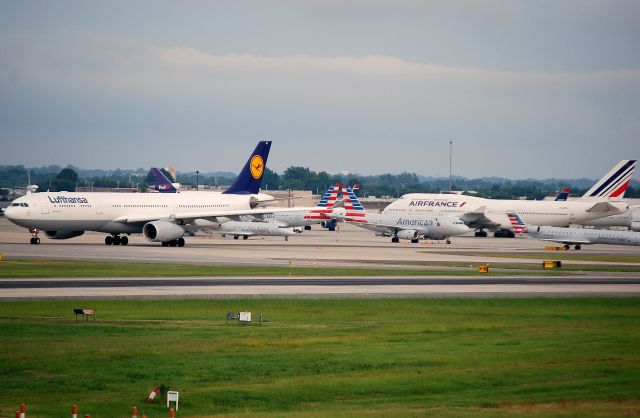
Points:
x=197, y=173
x=450, y=157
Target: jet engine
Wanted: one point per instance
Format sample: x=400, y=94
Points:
x=162, y=231
x=63, y=234
x=408, y=234
x=330, y=225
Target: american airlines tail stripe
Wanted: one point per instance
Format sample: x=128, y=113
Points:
x=621, y=175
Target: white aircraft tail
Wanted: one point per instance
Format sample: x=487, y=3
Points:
x=615, y=182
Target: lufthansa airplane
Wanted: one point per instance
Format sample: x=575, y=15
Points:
x=399, y=227
x=573, y=236
x=161, y=217
x=480, y=213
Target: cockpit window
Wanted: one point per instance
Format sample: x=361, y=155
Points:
x=24, y=205
x=15, y=204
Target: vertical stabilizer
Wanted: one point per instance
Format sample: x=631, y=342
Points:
x=250, y=178
x=615, y=182
x=160, y=182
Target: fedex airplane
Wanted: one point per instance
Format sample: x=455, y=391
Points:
x=573, y=236
x=159, y=217
x=480, y=213
x=161, y=183
x=409, y=227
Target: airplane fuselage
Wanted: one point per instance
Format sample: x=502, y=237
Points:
x=554, y=213
x=584, y=236
x=114, y=212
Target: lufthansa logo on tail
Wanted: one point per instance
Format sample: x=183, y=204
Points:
x=257, y=166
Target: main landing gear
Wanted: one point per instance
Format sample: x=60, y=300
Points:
x=116, y=240
x=481, y=233
x=174, y=243
x=34, y=236
x=577, y=246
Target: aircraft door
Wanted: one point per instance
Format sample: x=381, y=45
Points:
x=44, y=207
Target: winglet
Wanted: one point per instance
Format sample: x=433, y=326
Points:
x=160, y=182
x=615, y=182
x=250, y=178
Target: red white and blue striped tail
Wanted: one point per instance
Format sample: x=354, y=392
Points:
x=354, y=211
x=615, y=182
x=329, y=198
x=519, y=227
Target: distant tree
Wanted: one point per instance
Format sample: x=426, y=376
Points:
x=270, y=180
x=66, y=180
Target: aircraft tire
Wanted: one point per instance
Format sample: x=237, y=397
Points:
x=448, y=241
x=108, y=240
x=395, y=239
x=414, y=241
x=180, y=242
x=307, y=227
x=124, y=240
x=245, y=237
x=37, y=240
x=116, y=240
x=236, y=237
x=165, y=243
x=578, y=247
x=32, y=241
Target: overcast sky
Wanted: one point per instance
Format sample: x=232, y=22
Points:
x=524, y=88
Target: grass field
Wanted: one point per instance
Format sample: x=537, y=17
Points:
x=78, y=268
x=325, y=358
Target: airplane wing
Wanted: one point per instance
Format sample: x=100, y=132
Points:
x=602, y=207
x=478, y=218
x=191, y=216
x=566, y=241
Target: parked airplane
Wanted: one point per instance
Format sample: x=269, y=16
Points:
x=160, y=217
x=481, y=213
x=297, y=217
x=399, y=227
x=246, y=229
x=573, y=236
x=161, y=183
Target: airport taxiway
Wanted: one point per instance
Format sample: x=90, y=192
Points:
x=350, y=246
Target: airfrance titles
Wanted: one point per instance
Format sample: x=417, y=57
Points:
x=439, y=203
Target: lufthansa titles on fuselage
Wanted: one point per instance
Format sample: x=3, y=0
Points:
x=66, y=200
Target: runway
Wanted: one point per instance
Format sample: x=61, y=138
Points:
x=349, y=247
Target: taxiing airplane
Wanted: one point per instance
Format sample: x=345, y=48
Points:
x=159, y=217
x=481, y=213
x=409, y=227
x=246, y=229
x=573, y=236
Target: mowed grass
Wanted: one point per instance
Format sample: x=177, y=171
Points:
x=325, y=357
x=82, y=268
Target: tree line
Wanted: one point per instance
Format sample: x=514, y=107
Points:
x=302, y=178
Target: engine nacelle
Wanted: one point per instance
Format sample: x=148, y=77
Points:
x=162, y=231
x=635, y=226
x=408, y=234
x=331, y=225
x=63, y=234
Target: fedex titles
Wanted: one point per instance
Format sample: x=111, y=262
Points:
x=64, y=199
x=414, y=222
x=436, y=203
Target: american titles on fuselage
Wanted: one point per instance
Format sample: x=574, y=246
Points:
x=414, y=222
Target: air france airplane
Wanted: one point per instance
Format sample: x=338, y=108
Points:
x=573, y=236
x=481, y=213
x=399, y=226
x=159, y=217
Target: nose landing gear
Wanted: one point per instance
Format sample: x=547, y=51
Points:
x=34, y=236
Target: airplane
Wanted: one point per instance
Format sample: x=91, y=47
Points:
x=573, y=236
x=297, y=217
x=409, y=227
x=245, y=229
x=159, y=217
x=161, y=183
x=481, y=213
x=563, y=195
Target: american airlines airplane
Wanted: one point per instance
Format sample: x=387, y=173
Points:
x=481, y=213
x=573, y=236
x=161, y=217
x=409, y=227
